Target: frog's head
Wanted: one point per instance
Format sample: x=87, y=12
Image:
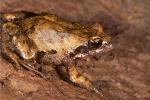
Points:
x=98, y=44
x=95, y=45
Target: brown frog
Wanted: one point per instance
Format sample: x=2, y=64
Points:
x=29, y=39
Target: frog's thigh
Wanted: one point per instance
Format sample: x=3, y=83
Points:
x=9, y=29
x=7, y=51
x=23, y=48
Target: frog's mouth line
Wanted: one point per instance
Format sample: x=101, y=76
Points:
x=105, y=47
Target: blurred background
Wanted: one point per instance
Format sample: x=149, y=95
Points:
x=122, y=74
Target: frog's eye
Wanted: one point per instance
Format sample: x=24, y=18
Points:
x=94, y=43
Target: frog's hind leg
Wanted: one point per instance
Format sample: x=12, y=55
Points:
x=78, y=78
x=6, y=50
x=17, y=62
x=11, y=57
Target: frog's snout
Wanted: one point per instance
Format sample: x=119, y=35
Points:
x=107, y=44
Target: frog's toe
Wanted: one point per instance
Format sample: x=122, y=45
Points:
x=30, y=67
x=96, y=90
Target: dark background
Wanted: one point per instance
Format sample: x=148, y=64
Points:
x=124, y=74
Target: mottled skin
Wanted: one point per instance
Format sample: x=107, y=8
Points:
x=29, y=39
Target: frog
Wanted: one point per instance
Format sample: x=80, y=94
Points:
x=30, y=39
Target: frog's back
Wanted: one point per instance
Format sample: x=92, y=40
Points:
x=50, y=35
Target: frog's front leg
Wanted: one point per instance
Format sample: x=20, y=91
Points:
x=78, y=78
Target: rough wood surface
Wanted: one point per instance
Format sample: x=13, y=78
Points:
x=124, y=74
